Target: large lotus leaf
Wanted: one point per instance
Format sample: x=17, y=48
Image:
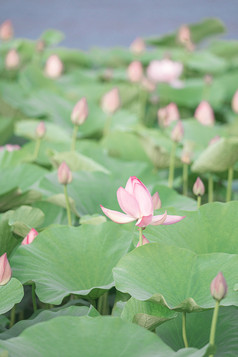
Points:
x=15, y=198
x=6, y=129
x=175, y=277
x=52, y=37
x=24, y=218
x=7, y=239
x=206, y=62
x=71, y=57
x=225, y=49
x=198, y=331
x=111, y=337
x=53, y=214
x=14, y=158
x=217, y=157
x=10, y=294
x=59, y=260
x=228, y=82
x=211, y=229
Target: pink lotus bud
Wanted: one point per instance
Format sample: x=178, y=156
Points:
x=6, y=30
x=53, y=67
x=184, y=35
x=30, y=237
x=40, y=130
x=80, y=112
x=187, y=153
x=138, y=46
x=234, y=103
x=10, y=147
x=198, y=187
x=12, y=59
x=111, y=101
x=218, y=287
x=147, y=84
x=156, y=201
x=64, y=174
x=204, y=114
x=144, y=241
x=164, y=71
x=40, y=46
x=177, y=132
x=214, y=140
x=135, y=71
x=5, y=270
x=168, y=114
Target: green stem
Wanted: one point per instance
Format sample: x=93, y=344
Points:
x=67, y=205
x=184, y=329
x=33, y=294
x=185, y=179
x=199, y=200
x=229, y=184
x=13, y=316
x=37, y=149
x=93, y=302
x=107, y=126
x=171, y=165
x=210, y=188
x=103, y=304
x=140, y=236
x=143, y=102
x=213, y=325
x=74, y=138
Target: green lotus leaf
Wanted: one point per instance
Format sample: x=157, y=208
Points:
x=10, y=294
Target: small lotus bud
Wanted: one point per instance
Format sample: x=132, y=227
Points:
x=214, y=140
x=147, y=84
x=156, y=201
x=138, y=46
x=177, y=132
x=40, y=130
x=80, y=112
x=30, y=237
x=184, y=35
x=198, y=187
x=5, y=270
x=168, y=114
x=111, y=101
x=64, y=174
x=144, y=241
x=135, y=71
x=234, y=103
x=54, y=67
x=204, y=114
x=40, y=45
x=218, y=287
x=6, y=30
x=164, y=71
x=187, y=153
x=12, y=59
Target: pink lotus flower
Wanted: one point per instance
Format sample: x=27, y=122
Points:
x=198, y=187
x=6, y=30
x=5, y=270
x=135, y=71
x=30, y=237
x=54, y=67
x=168, y=114
x=204, y=114
x=12, y=59
x=144, y=241
x=80, y=112
x=234, y=103
x=40, y=130
x=138, y=46
x=111, y=101
x=64, y=174
x=137, y=203
x=177, y=132
x=10, y=147
x=164, y=71
x=218, y=287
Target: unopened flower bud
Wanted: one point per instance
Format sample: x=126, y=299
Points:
x=144, y=241
x=40, y=130
x=204, y=114
x=5, y=270
x=184, y=35
x=30, y=237
x=12, y=59
x=53, y=67
x=214, y=140
x=218, y=287
x=198, y=187
x=10, y=147
x=111, y=101
x=234, y=103
x=177, y=132
x=6, y=30
x=156, y=201
x=138, y=46
x=135, y=71
x=64, y=174
x=80, y=112
x=168, y=114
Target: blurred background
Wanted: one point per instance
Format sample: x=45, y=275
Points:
x=107, y=23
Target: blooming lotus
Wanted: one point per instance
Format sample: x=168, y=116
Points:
x=164, y=71
x=138, y=204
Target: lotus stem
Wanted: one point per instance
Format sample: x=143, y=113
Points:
x=140, y=236
x=13, y=316
x=171, y=165
x=210, y=188
x=185, y=179
x=67, y=205
x=229, y=184
x=199, y=200
x=37, y=149
x=184, y=329
x=213, y=325
x=143, y=101
x=103, y=304
x=33, y=294
x=74, y=138
x=107, y=126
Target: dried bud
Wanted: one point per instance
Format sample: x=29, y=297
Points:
x=40, y=130
x=218, y=287
x=138, y=46
x=30, y=237
x=168, y=114
x=5, y=270
x=111, y=101
x=214, y=140
x=204, y=114
x=234, y=103
x=53, y=67
x=12, y=59
x=177, y=132
x=156, y=201
x=6, y=30
x=144, y=241
x=80, y=112
x=64, y=174
x=135, y=71
x=198, y=187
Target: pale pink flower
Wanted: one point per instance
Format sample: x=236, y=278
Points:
x=111, y=101
x=156, y=201
x=135, y=71
x=144, y=241
x=198, y=187
x=5, y=270
x=204, y=114
x=30, y=237
x=40, y=130
x=80, y=112
x=177, y=132
x=136, y=201
x=234, y=103
x=54, y=67
x=164, y=71
x=168, y=114
x=138, y=46
x=6, y=30
x=10, y=147
x=12, y=59
x=64, y=174
x=218, y=287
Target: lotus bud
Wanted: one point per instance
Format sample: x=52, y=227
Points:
x=204, y=114
x=138, y=46
x=12, y=59
x=184, y=35
x=218, y=287
x=54, y=67
x=147, y=84
x=6, y=30
x=64, y=174
x=111, y=101
x=198, y=187
x=80, y=112
x=187, y=153
x=214, y=140
x=234, y=103
x=144, y=241
x=164, y=71
x=135, y=71
x=40, y=130
x=168, y=114
x=30, y=237
x=5, y=270
x=40, y=45
x=10, y=147
x=156, y=201
x=177, y=132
